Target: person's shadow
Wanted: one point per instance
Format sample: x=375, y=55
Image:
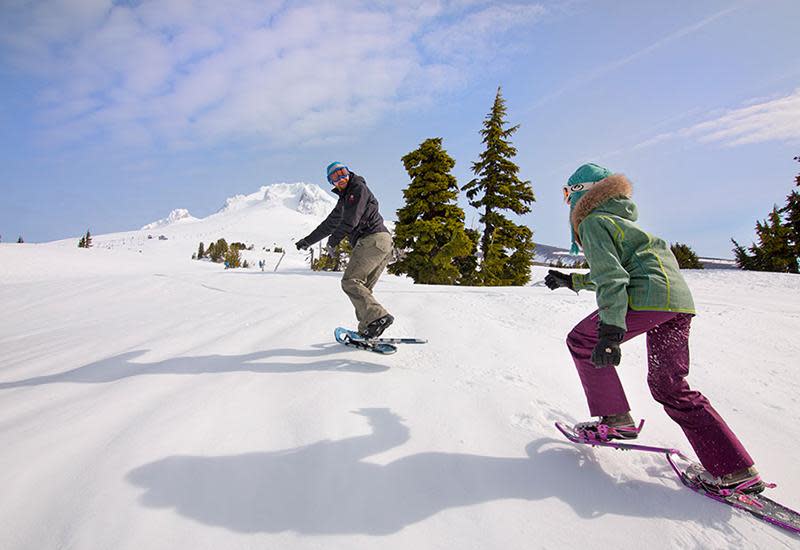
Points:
x=329, y=487
x=123, y=366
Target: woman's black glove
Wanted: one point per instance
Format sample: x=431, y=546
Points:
x=607, y=351
x=302, y=244
x=555, y=279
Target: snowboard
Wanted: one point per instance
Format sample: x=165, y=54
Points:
x=384, y=346
x=763, y=508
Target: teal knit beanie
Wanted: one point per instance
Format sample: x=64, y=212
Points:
x=332, y=167
x=588, y=173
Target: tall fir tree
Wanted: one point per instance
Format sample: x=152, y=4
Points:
x=430, y=227
x=506, y=248
x=88, y=239
x=201, y=251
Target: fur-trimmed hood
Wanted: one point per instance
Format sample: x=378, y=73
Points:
x=615, y=186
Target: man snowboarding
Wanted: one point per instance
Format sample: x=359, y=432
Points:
x=356, y=216
x=640, y=290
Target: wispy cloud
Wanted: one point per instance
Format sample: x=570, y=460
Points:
x=187, y=73
x=778, y=119
x=771, y=120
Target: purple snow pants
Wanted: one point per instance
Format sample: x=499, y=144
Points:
x=716, y=446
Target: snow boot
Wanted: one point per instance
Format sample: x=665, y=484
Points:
x=613, y=426
x=376, y=327
x=746, y=481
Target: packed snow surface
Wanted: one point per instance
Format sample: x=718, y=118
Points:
x=151, y=401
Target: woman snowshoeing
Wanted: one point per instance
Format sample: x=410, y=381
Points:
x=639, y=290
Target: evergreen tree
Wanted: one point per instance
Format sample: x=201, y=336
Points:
x=200, y=252
x=82, y=242
x=430, y=227
x=218, y=250
x=20, y=241
x=773, y=252
x=232, y=257
x=88, y=239
x=506, y=248
x=791, y=213
x=779, y=239
x=686, y=257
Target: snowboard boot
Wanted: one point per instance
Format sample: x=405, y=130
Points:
x=376, y=327
x=613, y=426
x=746, y=480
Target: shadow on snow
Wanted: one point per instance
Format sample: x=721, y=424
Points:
x=121, y=366
x=329, y=487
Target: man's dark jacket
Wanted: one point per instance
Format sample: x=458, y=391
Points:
x=355, y=215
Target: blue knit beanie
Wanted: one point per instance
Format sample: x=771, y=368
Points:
x=588, y=173
x=332, y=167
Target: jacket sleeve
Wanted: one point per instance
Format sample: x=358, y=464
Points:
x=354, y=205
x=582, y=281
x=328, y=225
x=610, y=278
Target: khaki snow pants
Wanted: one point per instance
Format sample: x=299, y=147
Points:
x=370, y=256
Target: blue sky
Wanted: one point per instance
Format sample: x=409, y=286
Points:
x=115, y=113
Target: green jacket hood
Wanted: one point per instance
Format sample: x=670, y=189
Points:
x=611, y=195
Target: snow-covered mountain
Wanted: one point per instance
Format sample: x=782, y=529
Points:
x=275, y=216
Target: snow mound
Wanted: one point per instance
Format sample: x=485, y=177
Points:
x=179, y=215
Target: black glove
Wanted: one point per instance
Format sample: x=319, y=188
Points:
x=556, y=279
x=607, y=351
x=302, y=244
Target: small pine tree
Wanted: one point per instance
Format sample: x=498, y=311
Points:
x=506, y=248
x=200, y=251
x=88, y=239
x=218, y=250
x=233, y=258
x=20, y=240
x=82, y=242
x=686, y=257
x=774, y=251
x=779, y=239
x=791, y=213
x=430, y=227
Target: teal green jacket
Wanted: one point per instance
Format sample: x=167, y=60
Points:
x=629, y=268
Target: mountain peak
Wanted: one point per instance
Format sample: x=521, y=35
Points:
x=179, y=215
x=305, y=198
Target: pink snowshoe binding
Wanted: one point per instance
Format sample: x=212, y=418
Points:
x=620, y=426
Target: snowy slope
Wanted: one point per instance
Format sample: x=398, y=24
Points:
x=152, y=401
